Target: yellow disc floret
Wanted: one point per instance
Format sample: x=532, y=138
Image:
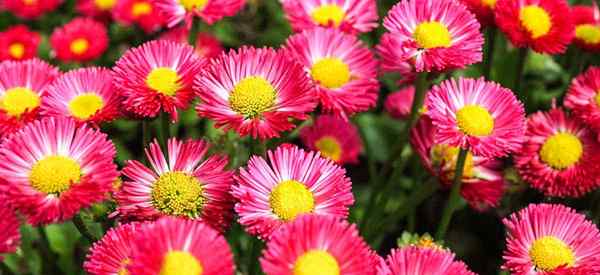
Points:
x=329, y=147
x=193, y=4
x=489, y=3
x=105, y=4
x=561, y=150
x=85, y=105
x=325, y=14
x=178, y=194
x=54, y=174
x=548, y=253
x=163, y=80
x=290, y=199
x=79, y=46
x=331, y=72
x=597, y=98
x=475, y=120
x=252, y=96
x=180, y=263
x=445, y=156
x=316, y=262
x=17, y=101
x=432, y=34
x=140, y=9
x=588, y=33
x=16, y=50
x=535, y=20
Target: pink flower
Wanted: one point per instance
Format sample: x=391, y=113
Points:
x=81, y=40
x=412, y=260
x=210, y=11
x=357, y=16
x=334, y=138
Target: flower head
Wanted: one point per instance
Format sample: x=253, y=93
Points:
x=30, y=9
x=18, y=43
x=100, y=9
x=207, y=45
x=333, y=137
x=353, y=17
x=82, y=39
x=111, y=255
x=143, y=13
x=10, y=236
x=210, y=11
x=483, y=10
x=412, y=260
x=583, y=97
x=398, y=104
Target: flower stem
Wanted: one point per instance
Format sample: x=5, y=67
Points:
x=454, y=198
x=519, y=73
x=490, y=39
x=49, y=258
x=164, y=130
x=421, y=86
x=146, y=135
x=83, y=229
x=4, y=269
x=192, y=36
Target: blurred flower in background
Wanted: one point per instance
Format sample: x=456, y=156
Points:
x=18, y=43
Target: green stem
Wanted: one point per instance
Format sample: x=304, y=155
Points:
x=49, y=258
x=194, y=31
x=490, y=43
x=421, y=86
x=5, y=269
x=164, y=130
x=83, y=229
x=454, y=198
x=146, y=134
x=519, y=73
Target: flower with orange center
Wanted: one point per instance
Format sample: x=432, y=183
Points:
x=80, y=40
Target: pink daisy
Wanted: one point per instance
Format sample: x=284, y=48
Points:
x=561, y=156
x=18, y=43
x=549, y=239
x=96, y=8
x=257, y=92
x=483, y=10
x=112, y=254
x=185, y=183
x=413, y=260
x=81, y=40
x=583, y=97
x=157, y=76
x=341, y=66
x=22, y=85
x=434, y=35
x=86, y=95
x=291, y=183
x=334, y=138
x=543, y=25
x=10, y=236
x=587, y=27
x=30, y=9
x=316, y=244
x=478, y=115
x=351, y=16
x=53, y=168
x=175, y=246
x=210, y=11
x=398, y=104
x=207, y=45
x=393, y=60
x=143, y=13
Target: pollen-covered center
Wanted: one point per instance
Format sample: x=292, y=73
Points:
x=445, y=156
x=105, y=4
x=178, y=194
x=597, y=98
x=588, y=33
x=193, y=4
x=54, y=174
x=475, y=120
x=252, y=96
x=140, y=9
x=17, y=101
x=85, y=105
x=535, y=20
x=329, y=147
x=163, y=80
x=180, y=262
x=79, y=46
x=489, y=3
x=330, y=72
x=432, y=34
x=290, y=199
x=327, y=14
x=316, y=262
x=548, y=253
x=561, y=150
x=16, y=50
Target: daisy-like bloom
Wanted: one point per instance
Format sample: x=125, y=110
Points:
x=434, y=35
x=343, y=69
x=257, y=92
x=292, y=183
x=175, y=246
x=398, y=104
x=482, y=183
x=86, y=95
x=210, y=11
x=22, y=84
x=185, y=183
x=82, y=39
x=30, y=9
x=561, y=156
x=587, y=27
x=53, y=168
x=144, y=13
x=483, y=10
x=207, y=45
x=352, y=16
x=18, y=43
x=96, y=8
x=474, y=114
x=543, y=25
x=411, y=260
x=157, y=76
x=10, y=237
x=112, y=254
x=393, y=60
x=548, y=239
x=333, y=137
x=317, y=244
x=583, y=97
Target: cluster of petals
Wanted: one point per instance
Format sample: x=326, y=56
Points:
x=351, y=16
x=210, y=11
x=18, y=43
x=410, y=260
x=82, y=39
x=334, y=138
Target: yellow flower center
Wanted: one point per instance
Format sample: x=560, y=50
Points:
x=85, y=105
x=16, y=50
x=329, y=147
x=475, y=120
x=446, y=156
x=105, y=4
x=54, y=174
x=29, y=2
x=489, y=3
x=536, y=20
x=597, y=98
x=316, y=262
x=290, y=199
x=123, y=270
x=193, y=4
x=331, y=72
x=178, y=194
x=140, y=9
x=180, y=263
x=327, y=13
x=79, y=46
x=163, y=80
x=252, y=96
x=561, y=150
x=432, y=34
x=17, y=101
x=548, y=253
x=588, y=33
